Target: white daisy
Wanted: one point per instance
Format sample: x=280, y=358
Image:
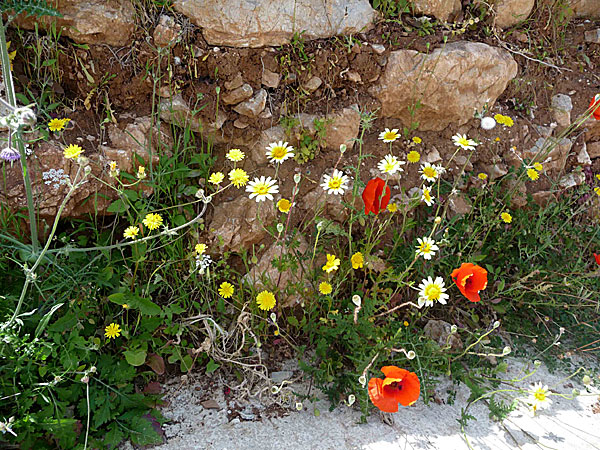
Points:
x=426, y=196
x=538, y=397
x=262, y=188
x=426, y=247
x=389, y=135
x=336, y=183
x=461, y=140
x=431, y=291
x=390, y=165
x=430, y=172
x=277, y=152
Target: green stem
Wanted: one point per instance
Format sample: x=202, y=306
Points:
x=10, y=93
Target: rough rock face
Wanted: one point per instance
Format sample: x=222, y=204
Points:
x=265, y=275
x=109, y=22
x=440, y=9
x=251, y=23
x=175, y=110
x=240, y=223
x=49, y=169
x=586, y=8
x=512, y=12
x=450, y=83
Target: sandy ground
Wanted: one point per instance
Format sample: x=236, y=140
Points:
x=566, y=424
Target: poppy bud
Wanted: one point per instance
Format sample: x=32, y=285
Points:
x=375, y=197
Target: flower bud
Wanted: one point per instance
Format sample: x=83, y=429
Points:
x=506, y=350
x=356, y=300
x=299, y=406
x=85, y=379
x=362, y=380
x=453, y=329
x=273, y=317
x=351, y=399
x=586, y=380
x=411, y=354
x=297, y=178
x=279, y=227
x=496, y=324
x=438, y=220
x=343, y=148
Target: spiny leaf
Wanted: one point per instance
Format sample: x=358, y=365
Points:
x=37, y=8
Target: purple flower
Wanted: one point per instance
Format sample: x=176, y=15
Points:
x=9, y=154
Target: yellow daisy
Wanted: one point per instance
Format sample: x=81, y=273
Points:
x=112, y=331
x=235, y=155
x=332, y=263
x=72, y=151
x=284, y=205
x=216, y=178
x=226, y=289
x=153, y=221
x=57, y=124
x=266, y=300
x=413, y=156
x=357, y=261
x=238, y=177
x=131, y=232
x=392, y=207
x=200, y=248
x=325, y=288
x=482, y=176
x=533, y=174
x=506, y=217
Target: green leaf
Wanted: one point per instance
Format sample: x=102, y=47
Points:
x=118, y=298
x=135, y=357
x=102, y=414
x=143, y=433
x=131, y=194
x=146, y=306
x=186, y=363
x=211, y=367
x=293, y=321
x=44, y=322
x=118, y=206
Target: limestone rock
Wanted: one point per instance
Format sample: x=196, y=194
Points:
x=329, y=206
x=572, y=179
x=109, y=22
x=237, y=95
x=266, y=276
x=459, y=205
x=254, y=106
x=141, y=137
x=593, y=149
x=270, y=79
x=512, y=12
x=440, y=9
x=561, y=107
x=450, y=83
x=48, y=171
x=592, y=36
x=586, y=8
x=543, y=198
x=551, y=152
x=583, y=156
x=441, y=332
x=175, y=110
x=313, y=84
x=251, y=23
x=241, y=222
x=166, y=32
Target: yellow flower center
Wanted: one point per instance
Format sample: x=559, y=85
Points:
x=540, y=395
x=261, y=189
x=278, y=152
x=425, y=247
x=427, y=196
x=432, y=292
x=335, y=183
x=389, y=135
x=430, y=172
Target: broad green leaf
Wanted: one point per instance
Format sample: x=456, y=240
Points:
x=135, y=357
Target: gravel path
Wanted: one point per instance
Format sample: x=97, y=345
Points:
x=566, y=424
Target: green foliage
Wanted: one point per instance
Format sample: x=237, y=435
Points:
x=391, y=8
x=36, y=8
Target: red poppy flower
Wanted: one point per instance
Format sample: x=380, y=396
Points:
x=597, y=258
x=470, y=279
x=373, y=196
x=399, y=386
x=596, y=103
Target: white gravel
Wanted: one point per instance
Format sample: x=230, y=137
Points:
x=567, y=424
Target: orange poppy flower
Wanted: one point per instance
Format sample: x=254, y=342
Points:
x=470, y=279
x=597, y=258
x=399, y=386
x=374, y=197
x=596, y=103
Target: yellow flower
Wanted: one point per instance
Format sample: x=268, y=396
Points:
x=265, y=300
x=482, y=176
x=72, y=151
x=325, y=288
x=504, y=120
x=277, y=152
x=598, y=176
x=58, y=124
x=388, y=135
x=533, y=174
x=131, y=232
x=238, y=177
x=332, y=263
x=597, y=190
x=11, y=55
x=284, y=205
x=497, y=139
x=125, y=306
x=216, y=178
x=235, y=155
x=112, y=166
x=112, y=331
x=153, y=221
x=200, y=248
x=392, y=207
x=357, y=261
x=405, y=323
x=417, y=140
x=506, y=217
x=226, y=289
x=413, y=157
x=141, y=173
x=537, y=166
